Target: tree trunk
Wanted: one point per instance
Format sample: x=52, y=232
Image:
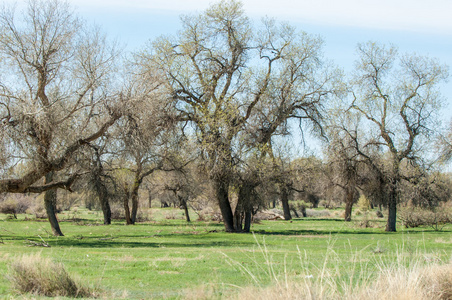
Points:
x=238, y=217
x=106, y=210
x=285, y=202
x=248, y=217
x=239, y=208
x=149, y=198
x=222, y=193
x=349, y=199
x=134, y=197
x=243, y=210
x=102, y=193
x=50, y=198
x=126, y=205
x=303, y=211
x=184, y=205
x=100, y=187
x=392, y=208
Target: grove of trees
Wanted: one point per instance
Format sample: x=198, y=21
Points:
x=208, y=111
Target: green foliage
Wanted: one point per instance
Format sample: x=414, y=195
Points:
x=363, y=203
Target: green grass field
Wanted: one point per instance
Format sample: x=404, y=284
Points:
x=166, y=258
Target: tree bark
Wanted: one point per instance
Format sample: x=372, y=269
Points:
x=248, y=218
x=285, y=203
x=349, y=199
x=103, y=198
x=222, y=194
x=126, y=205
x=50, y=198
x=183, y=202
x=239, y=208
x=303, y=211
x=392, y=207
x=238, y=217
x=102, y=193
x=243, y=210
x=134, y=197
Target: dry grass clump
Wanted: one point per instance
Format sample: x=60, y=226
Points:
x=416, y=282
x=41, y=276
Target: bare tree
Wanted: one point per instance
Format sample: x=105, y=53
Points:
x=98, y=180
x=398, y=97
x=345, y=163
x=445, y=145
x=55, y=95
x=222, y=73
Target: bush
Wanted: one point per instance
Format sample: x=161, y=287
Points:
x=313, y=213
x=144, y=215
x=418, y=217
x=117, y=212
x=41, y=276
x=68, y=200
x=365, y=222
x=14, y=205
x=38, y=210
x=363, y=203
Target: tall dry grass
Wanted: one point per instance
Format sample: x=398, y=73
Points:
x=409, y=276
x=34, y=274
x=432, y=282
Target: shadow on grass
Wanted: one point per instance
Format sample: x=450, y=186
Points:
x=169, y=241
x=169, y=223
x=351, y=231
x=309, y=232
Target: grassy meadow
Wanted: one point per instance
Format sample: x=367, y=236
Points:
x=167, y=257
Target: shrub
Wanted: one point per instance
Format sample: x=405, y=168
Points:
x=117, y=212
x=14, y=206
x=363, y=203
x=300, y=206
x=68, y=200
x=418, y=217
x=144, y=215
x=38, y=210
x=9, y=207
x=313, y=213
x=379, y=214
x=41, y=276
x=365, y=222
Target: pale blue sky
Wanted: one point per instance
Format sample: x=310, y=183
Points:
x=420, y=26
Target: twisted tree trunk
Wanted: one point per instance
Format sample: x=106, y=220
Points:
x=221, y=186
x=50, y=199
x=285, y=202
